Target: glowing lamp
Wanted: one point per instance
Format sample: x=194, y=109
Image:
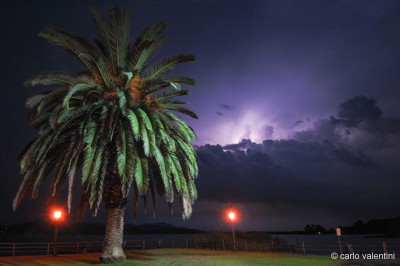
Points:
x=57, y=215
x=231, y=216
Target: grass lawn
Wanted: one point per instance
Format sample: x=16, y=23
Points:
x=180, y=257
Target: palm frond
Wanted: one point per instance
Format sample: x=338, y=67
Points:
x=50, y=79
x=49, y=99
x=89, y=152
x=44, y=171
x=81, y=49
x=145, y=119
x=75, y=89
x=180, y=80
x=151, y=32
x=166, y=65
x=148, y=53
x=71, y=176
x=187, y=130
x=103, y=39
x=110, y=124
x=121, y=153
x=34, y=101
x=168, y=94
x=148, y=86
x=119, y=36
x=179, y=108
x=97, y=187
x=131, y=153
x=134, y=123
x=145, y=46
x=145, y=138
x=23, y=188
x=141, y=174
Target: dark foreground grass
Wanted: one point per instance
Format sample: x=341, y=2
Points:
x=180, y=257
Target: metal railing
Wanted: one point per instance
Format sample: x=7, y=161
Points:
x=301, y=247
x=294, y=247
x=24, y=249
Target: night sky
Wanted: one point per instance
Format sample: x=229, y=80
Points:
x=298, y=105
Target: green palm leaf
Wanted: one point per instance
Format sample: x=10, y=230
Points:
x=134, y=124
x=166, y=65
x=48, y=79
x=119, y=36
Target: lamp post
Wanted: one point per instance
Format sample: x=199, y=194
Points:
x=232, y=217
x=57, y=216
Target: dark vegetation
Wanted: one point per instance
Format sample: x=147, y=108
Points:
x=316, y=228
x=245, y=241
x=388, y=227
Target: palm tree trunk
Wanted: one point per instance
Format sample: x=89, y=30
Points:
x=115, y=204
x=112, y=250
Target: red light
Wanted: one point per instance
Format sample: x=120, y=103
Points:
x=232, y=215
x=57, y=215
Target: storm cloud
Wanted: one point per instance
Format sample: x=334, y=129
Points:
x=347, y=165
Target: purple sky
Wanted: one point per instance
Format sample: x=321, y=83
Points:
x=266, y=70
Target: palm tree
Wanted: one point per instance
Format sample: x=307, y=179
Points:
x=114, y=122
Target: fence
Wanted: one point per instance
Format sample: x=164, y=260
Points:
x=24, y=249
x=294, y=247
x=303, y=247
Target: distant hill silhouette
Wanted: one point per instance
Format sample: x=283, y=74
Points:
x=389, y=227
x=40, y=227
